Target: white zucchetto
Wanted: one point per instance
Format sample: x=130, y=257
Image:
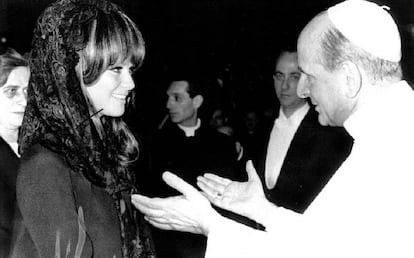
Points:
x=369, y=26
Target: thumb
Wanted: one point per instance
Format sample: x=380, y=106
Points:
x=180, y=185
x=251, y=171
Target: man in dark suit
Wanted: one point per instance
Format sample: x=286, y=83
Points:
x=187, y=146
x=301, y=155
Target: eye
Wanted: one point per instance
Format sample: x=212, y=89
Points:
x=116, y=69
x=278, y=76
x=295, y=77
x=10, y=92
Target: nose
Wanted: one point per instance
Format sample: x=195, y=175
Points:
x=128, y=82
x=285, y=84
x=169, y=103
x=303, y=89
x=21, y=98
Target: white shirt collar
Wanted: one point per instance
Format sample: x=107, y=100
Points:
x=190, y=130
x=297, y=116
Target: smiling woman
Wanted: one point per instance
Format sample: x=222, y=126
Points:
x=76, y=151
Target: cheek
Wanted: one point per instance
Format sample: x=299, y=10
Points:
x=278, y=87
x=5, y=105
x=293, y=87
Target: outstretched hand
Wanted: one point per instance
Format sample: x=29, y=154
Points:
x=240, y=197
x=190, y=212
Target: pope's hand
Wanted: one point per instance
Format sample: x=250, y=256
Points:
x=190, y=212
x=244, y=198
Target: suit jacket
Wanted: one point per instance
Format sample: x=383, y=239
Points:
x=188, y=157
x=314, y=155
x=8, y=173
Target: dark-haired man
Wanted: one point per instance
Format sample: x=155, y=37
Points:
x=187, y=146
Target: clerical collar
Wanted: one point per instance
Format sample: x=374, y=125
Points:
x=190, y=130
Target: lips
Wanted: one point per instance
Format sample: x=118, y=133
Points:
x=285, y=95
x=121, y=97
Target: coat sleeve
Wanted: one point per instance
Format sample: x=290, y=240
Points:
x=47, y=205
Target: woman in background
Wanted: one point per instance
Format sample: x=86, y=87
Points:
x=14, y=78
x=74, y=182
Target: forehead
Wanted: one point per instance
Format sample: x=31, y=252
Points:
x=310, y=39
x=288, y=61
x=19, y=76
x=177, y=87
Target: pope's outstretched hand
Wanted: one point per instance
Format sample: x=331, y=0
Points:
x=190, y=212
x=244, y=198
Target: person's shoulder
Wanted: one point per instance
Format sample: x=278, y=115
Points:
x=5, y=150
x=169, y=130
x=214, y=134
x=39, y=154
x=39, y=163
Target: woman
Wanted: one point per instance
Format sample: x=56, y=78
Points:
x=74, y=183
x=14, y=78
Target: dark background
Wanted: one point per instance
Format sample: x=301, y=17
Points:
x=235, y=40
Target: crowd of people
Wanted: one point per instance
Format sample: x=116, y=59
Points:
x=328, y=175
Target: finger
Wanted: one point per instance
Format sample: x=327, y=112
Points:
x=173, y=219
x=153, y=206
x=148, y=211
x=180, y=185
x=213, y=185
x=217, y=179
x=174, y=227
x=153, y=203
x=209, y=193
x=251, y=171
x=159, y=225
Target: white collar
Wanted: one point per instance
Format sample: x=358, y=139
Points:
x=190, y=130
x=297, y=116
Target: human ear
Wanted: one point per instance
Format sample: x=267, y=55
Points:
x=352, y=77
x=198, y=100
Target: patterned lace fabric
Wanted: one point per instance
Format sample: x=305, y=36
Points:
x=57, y=115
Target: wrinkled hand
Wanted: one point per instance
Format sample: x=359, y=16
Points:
x=240, y=197
x=190, y=212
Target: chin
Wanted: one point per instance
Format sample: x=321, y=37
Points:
x=113, y=113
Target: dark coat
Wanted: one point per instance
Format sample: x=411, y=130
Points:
x=314, y=155
x=49, y=195
x=188, y=157
x=8, y=173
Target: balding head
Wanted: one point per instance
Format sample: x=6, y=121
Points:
x=338, y=71
x=332, y=39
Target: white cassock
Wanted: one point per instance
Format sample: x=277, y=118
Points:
x=365, y=210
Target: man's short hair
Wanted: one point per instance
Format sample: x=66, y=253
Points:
x=196, y=85
x=336, y=48
x=287, y=47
